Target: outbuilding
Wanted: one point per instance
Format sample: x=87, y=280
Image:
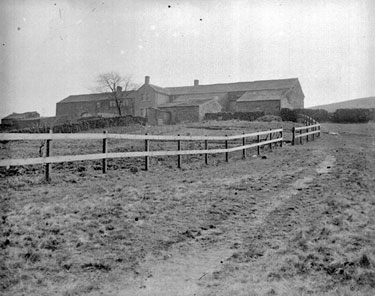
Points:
x=190, y=110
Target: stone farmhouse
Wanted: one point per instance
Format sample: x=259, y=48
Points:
x=162, y=105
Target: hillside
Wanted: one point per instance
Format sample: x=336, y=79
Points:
x=356, y=103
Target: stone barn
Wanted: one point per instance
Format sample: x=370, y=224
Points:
x=263, y=95
x=157, y=116
x=271, y=97
x=190, y=110
x=97, y=104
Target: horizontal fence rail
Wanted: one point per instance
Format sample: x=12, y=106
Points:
x=50, y=136
x=310, y=130
x=98, y=156
x=307, y=127
x=273, y=137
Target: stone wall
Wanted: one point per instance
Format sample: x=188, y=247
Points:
x=294, y=98
x=84, y=125
x=269, y=107
x=158, y=117
x=181, y=114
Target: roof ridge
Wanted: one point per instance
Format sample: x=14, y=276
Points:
x=228, y=83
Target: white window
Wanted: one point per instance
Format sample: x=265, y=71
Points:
x=98, y=104
x=112, y=104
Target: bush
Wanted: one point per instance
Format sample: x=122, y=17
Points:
x=269, y=118
x=288, y=114
x=319, y=115
x=353, y=115
x=246, y=116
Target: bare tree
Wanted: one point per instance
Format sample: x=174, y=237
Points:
x=117, y=85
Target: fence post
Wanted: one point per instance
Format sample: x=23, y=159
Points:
x=226, y=153
x=48, y=153
x=258, y=147
x=270, y=145
x=105, y=150
x=179, y=156
x=293, y=135
x=206, y=148
x=244, y=144
x=300, y=138
x=147, y=158
x=307, y=136
x=281, y=136
x=313, y=135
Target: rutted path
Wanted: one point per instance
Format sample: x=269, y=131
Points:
x=194, y=267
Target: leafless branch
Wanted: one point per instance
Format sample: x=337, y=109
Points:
x=108, y=82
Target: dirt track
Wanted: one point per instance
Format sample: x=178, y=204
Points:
x=299, y=222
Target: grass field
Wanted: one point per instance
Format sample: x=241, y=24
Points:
x=298, y=222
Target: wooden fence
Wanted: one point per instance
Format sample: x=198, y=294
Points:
x=272, y=137
x=310, y=130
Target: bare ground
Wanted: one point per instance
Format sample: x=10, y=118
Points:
x=299, y=222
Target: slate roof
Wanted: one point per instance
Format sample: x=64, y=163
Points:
x=25, y=115
x=92, y=97
x=233, y=87
x=197, y=89
x=193, y=102
x=160, y=89
x=262, y=95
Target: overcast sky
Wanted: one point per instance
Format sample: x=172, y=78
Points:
x=53, y=49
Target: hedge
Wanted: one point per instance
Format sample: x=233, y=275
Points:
x=246, y=116
x=289, y=115
x=359, y=115
x=319, y=115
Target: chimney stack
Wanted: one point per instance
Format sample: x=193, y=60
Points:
x=119, y=89
x=147, y=79
x=196, y=82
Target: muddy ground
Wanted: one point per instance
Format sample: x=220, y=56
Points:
x=299, y=221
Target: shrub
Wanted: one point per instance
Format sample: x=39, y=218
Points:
x=246, y=116
x=288, y=114
x=269, y=118
x=319, y=115
x=353, y=115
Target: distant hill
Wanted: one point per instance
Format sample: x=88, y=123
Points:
x=356, y=103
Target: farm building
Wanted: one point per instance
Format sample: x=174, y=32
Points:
x=102, y=104
x=271, y=97
x=190, y=110
x=266, y=95
x=21, y=120
x=149, y=96
x=188, y=103
x=157, y=116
